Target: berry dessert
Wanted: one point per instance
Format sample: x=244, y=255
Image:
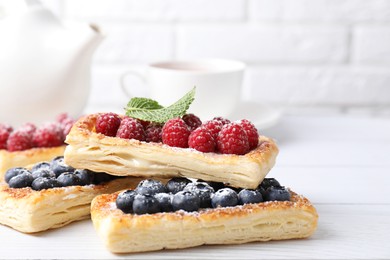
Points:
x=30, y=144
x=218, y=150
x=184, y=213
x=52, y=194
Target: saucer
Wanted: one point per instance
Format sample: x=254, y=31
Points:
x=260, y=115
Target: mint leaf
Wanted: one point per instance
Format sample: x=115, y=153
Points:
x=149, y=110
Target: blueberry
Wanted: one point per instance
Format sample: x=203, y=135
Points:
x=21, y=180
x=68, y=179
x=261, y=190
x=177, y=184
x=185, y=200
x=41, y=165
x=124, y=201
x=277, y=193
x=249, y=196
x=85, y=176
x=225, y=197
x=145, y=204
x=43, y=172
x=41, y=183
x=165, y=201
x=216, y=185
x=101, y=177
x=268, y=182
x=203, y=191
x=58, y=166
x=150, y=187
x=13, y=172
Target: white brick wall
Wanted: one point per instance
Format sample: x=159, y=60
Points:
x=332, y=54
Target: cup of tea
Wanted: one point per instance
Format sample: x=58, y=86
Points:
x=218, y=84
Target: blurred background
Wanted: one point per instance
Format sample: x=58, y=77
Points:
x=308, y=56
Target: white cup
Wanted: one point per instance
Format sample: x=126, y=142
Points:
x=218, y=84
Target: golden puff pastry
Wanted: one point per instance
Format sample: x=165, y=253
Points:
x=30, y=211
x=24, y=158
x=129, y=157
x=128, y=233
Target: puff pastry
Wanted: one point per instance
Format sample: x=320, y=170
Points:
x=10, y=160
x=129, y=157
x=32, y=211
x=128, y=233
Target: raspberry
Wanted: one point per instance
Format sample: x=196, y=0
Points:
x=130, y=128
x=202, y=140
x=108, y=124
x=153, y=133
x=67, y=125
x=61, y=118
x=251, y=132
x=223, y=120
x=214, y=126
x=19, y=140
x=144, y=123
x=175, y=132
x=29, y=128
x=192, y=121
x=4, y=134
x=48, y=135
x=232, y=139
x=6, y=127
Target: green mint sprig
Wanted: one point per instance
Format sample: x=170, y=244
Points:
x=150, y=110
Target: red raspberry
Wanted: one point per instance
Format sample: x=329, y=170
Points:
x=67, y=125
x=61, y=118
x=19, y=140
x=108, y=124
x=251, y=132
x=214, y=126
x=222, y=119
x=4, y=134
x=6, y=127
x=130, y=128
x=202, y=140
x=192, y=121
x=144, y=123
x=28, y=127
x=175, y=132
x=153, y=133
x=48, y=135
x=232, y=139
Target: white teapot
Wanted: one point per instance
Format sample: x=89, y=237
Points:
x=44, y=66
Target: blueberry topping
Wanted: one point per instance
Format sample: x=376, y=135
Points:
x=21, y=180
x=185, y=200
x=261, y=190
x=150, y=187
x=177, y=184
x=85, y=176
x=101, y=177
x=13, y=172
x=225, y=197
x=124, y=201
x=165, y=201
x=277, y=193
x=145, y=204
x=203, y=191
x=68, y=179
x=58, y=166
x=43, y=172
x=268, y=182
x=249, y=196
x=41, y=165
x=216, y=185
x=41, y=183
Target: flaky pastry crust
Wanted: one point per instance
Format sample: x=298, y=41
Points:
x=129, y=233
x=31, y=211
x=10, y=160
x=129, y=157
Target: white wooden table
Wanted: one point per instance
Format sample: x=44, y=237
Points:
x=341, y=164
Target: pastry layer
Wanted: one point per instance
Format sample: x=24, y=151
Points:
x=10, y=160
x=129, y=157
x=32, y=211
x=127, y=233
